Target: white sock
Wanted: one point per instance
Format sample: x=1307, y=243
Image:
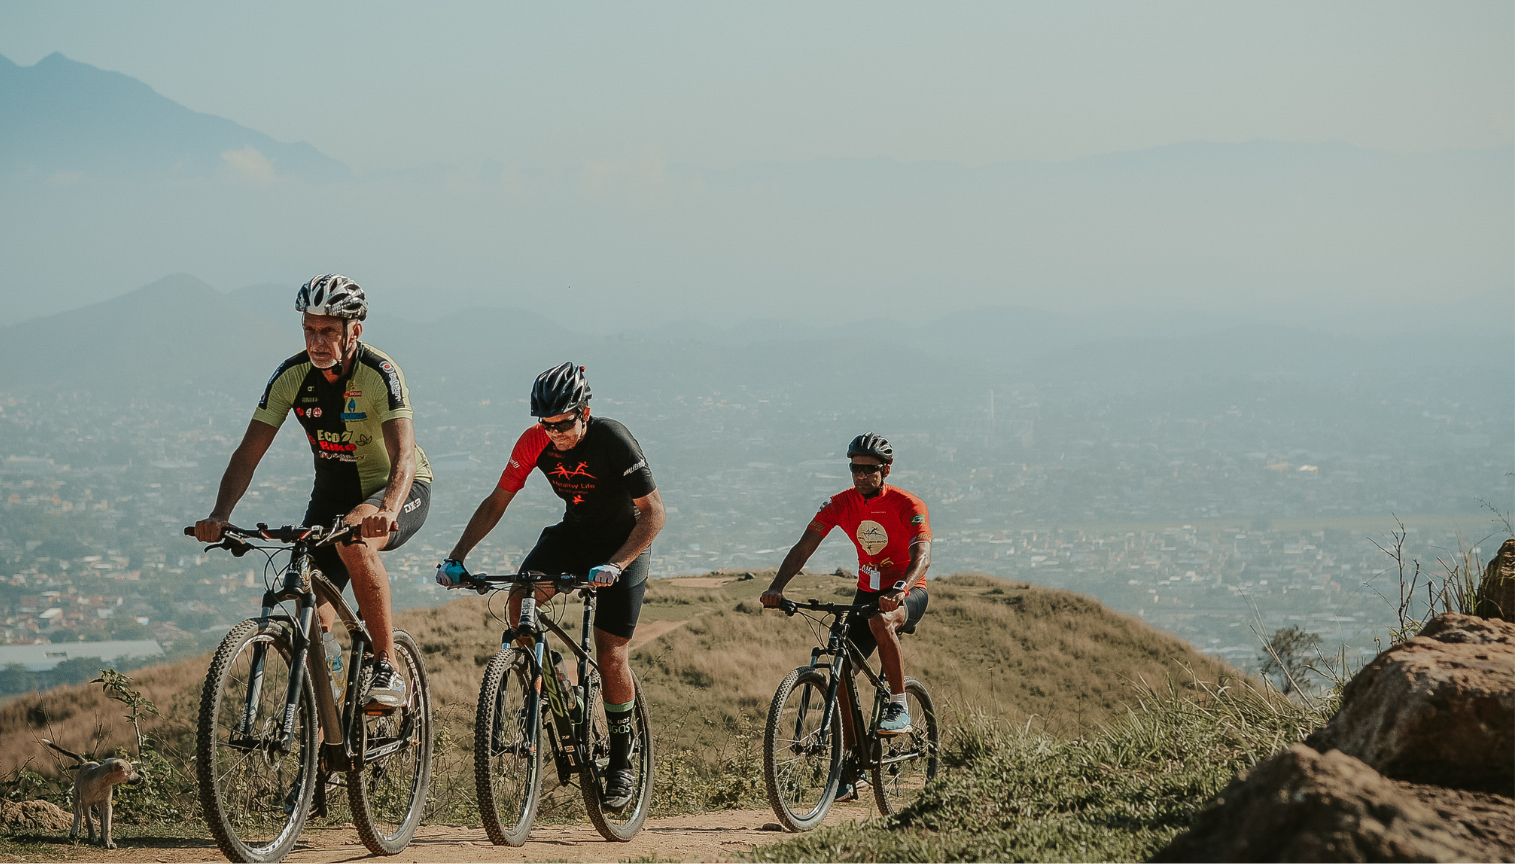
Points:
x=899, y=699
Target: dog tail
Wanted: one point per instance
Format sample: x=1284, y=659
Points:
x=79, y=760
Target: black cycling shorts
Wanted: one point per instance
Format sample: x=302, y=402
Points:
x=562, y=549
x=859, y=634
x=413, y=515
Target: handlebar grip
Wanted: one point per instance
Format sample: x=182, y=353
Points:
x=787, y=606
x=189, y=531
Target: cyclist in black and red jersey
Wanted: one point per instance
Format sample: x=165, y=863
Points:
x=352, y=401
x=889, y=526
x=612, y=513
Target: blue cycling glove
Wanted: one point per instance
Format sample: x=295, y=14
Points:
x=451, y=573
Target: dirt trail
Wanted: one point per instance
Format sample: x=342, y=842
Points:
x=700, y=837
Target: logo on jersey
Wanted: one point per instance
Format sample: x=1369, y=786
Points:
x=565, y=473
x=871, y=536
x=351, y=412
x=918, y=519
x=311, y=413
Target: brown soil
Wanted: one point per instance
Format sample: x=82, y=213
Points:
x=718, y=836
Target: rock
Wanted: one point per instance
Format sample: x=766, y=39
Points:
x=1496, y=593
x=34, y=817
x=1302, y=805
x=1438, y=708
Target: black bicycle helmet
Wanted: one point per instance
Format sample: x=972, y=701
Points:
x=560, y=389
x=870, y=444
x=332, y=294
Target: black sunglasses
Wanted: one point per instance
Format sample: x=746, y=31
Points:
x=856, y=468
x=565, y=425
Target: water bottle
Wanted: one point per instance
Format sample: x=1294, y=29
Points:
x=572, y=696
x=528, y=617
x=333, y=664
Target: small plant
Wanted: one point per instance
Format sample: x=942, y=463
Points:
x=1419, y=597
x=116, y=685
x=1287, y=658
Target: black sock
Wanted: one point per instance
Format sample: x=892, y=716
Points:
x=620, y=733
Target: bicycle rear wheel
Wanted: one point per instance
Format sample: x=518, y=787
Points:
x=905, y=763
x=255, y=788
x=507, y=761
x=800, y=763
x=625, y=823
x=387, y=786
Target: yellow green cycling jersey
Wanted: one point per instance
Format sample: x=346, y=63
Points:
x=344, y=421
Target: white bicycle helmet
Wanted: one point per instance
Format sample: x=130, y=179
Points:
x=332, y=294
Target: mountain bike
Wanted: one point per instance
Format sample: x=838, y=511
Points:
x=530, y=720
x=273, y=716
x=804, y=754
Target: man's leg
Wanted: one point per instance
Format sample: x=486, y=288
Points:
x=618, y=611
x=895, y=719
x=371, y=585
x=884, y=627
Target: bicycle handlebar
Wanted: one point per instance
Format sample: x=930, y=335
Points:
x=564, y=582
x=238, y=540
x=867, y=608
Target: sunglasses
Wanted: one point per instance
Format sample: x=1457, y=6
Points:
x=856, y=468
x=565, y=425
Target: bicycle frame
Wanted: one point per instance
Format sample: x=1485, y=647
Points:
x=846, y=662
x=567, y=737
x=308, y=588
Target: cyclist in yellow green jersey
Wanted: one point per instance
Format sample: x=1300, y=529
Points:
x=353, y=404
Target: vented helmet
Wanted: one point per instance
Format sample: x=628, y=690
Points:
x=332, y=294
x=560, y=389
x=870, y=444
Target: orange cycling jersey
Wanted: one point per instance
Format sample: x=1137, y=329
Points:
x=883, y=528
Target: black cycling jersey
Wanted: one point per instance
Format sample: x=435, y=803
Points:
x=599, y=479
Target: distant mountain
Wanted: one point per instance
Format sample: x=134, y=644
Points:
x=176, y=333
x=72, y=119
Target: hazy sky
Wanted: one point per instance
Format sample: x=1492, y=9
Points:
x=727, y=161
x=392, y=85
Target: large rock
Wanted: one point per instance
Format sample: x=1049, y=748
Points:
x=34, y=817
x=1438, y=708
x=1305, y=806
x=1496, y=593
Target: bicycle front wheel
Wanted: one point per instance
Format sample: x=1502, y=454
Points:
x=800, y=760
x=507, y=756
x=905, y=763
x=387, y=786
x=255, y=783
x=624, y=823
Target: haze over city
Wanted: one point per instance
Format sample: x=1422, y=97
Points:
x=1181, y=305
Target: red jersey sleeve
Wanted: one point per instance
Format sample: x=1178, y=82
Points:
x=828, y=516
x=525, y=457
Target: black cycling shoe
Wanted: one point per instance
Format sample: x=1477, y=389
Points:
x=618, y=788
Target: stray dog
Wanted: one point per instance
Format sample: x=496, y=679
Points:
x=93, y=792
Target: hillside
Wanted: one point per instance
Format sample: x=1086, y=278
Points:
x=710, y=658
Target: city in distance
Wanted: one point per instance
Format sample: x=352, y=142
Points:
x=1215, y=476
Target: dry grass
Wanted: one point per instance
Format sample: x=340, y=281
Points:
x=1057, y=661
